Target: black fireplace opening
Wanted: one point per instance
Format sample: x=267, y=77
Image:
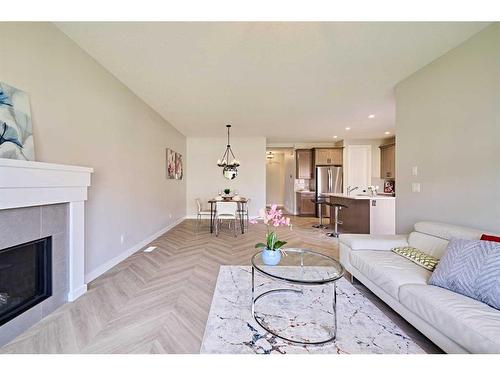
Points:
x=25, y=277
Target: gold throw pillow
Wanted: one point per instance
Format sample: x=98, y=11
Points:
x=416, y=256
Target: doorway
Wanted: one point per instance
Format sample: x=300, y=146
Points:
x=275, y=178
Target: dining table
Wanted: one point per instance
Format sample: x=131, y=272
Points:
x=241, y=203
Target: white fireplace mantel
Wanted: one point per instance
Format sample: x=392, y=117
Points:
x=29, y=183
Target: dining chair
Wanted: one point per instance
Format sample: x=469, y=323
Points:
x=226, y=211
x=243, y=210
x=200, y=213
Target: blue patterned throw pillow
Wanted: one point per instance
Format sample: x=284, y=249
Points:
x=471, y=268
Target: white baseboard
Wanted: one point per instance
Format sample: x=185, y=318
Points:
x=193, y=216
x=121, y=257
x=74, y=294
x=268, y=205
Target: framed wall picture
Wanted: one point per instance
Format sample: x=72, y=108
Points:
x=178, y=166
x=16, y=133
x=389, y=186
x=174, y=165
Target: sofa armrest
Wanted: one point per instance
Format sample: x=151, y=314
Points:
x=373, y=242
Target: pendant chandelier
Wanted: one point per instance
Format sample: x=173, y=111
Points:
x=228, y=162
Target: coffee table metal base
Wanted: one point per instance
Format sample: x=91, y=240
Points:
x=261, y=322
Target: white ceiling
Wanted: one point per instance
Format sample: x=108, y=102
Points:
x=289, y=82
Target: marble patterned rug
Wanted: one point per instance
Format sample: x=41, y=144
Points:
x=362, y=327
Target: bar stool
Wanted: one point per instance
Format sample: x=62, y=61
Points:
x=336, y=221
x=319, y=202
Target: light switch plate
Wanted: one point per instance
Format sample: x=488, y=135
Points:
x=414, y=171
x=415, y=187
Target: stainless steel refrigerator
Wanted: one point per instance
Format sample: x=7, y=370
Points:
x=328, y=180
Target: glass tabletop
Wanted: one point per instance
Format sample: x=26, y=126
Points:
x=301, y=266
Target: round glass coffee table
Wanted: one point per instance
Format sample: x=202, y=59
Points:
x=305, y=269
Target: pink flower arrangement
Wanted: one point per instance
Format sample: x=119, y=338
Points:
x=272, y=218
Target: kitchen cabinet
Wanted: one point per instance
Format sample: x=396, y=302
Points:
x=306, y=206
x=321, y=156
x=304, y=165
x=328, y=156
x=388, y=161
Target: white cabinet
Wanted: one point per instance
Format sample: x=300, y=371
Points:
x=358, y=167
x=383, y=216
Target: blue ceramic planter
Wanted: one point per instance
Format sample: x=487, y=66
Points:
x=271, y=257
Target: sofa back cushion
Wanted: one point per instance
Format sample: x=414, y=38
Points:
x=447, y=231
x=471, y=268
x=431, y=245
x=432, y=237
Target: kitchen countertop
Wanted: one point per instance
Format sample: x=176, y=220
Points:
x=305, y=191
x=354, y=196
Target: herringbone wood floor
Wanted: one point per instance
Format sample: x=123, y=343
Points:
x=157, y=302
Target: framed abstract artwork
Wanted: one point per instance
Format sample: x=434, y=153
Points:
x=16, y=132
x=174, y=165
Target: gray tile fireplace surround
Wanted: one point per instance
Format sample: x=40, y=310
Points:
x=20, y=225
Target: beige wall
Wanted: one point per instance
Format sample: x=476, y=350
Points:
x=83, y=116
x=448, y=124
x=275, y=179
x=204, y=177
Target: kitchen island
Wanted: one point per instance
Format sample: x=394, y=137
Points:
x=365, y=213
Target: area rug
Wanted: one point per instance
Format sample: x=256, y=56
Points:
x=231, y=328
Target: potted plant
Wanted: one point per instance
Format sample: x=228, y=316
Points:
x=227, y=191
x=272, y=249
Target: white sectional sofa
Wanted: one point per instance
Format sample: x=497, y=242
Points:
x=457, y=324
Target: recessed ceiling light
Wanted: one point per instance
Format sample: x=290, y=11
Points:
x=334, y=136
x=371, y=116
x=387, y=133
x=348, y=128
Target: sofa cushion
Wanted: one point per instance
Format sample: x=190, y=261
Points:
x=447, y=231
x=373, y=242
x=471, y=268
x=431, y=245
x=432, y=237
x=472, y=324
x=388, y=270
x=489, y=237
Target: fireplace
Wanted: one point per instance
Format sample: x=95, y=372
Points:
x=39, y=200
x=25, y=277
